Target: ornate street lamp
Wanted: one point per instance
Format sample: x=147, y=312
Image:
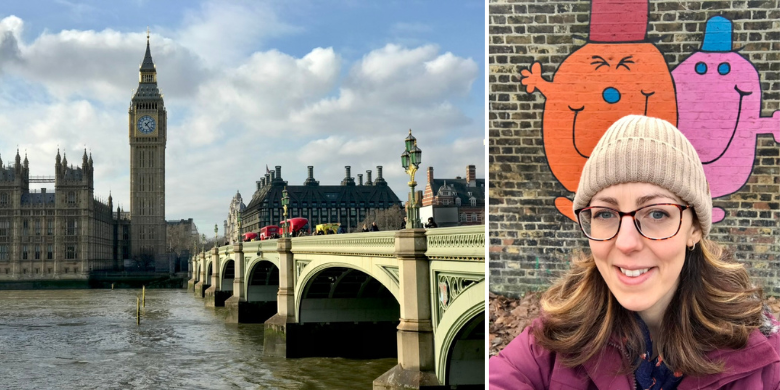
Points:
x=410, y=160
x=285, y=203
x=216, y=231
x=203, y=243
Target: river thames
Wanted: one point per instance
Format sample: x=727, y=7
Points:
x=76, y=339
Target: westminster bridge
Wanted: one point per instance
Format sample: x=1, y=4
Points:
x=415, y=294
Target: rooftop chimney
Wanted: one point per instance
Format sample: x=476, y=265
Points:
x=279, y=172
x=471, y=176
x=368, y=178
x=379, y=180
x=430, y=174
x=348, y=180
x=360, y=179
x=310, y=179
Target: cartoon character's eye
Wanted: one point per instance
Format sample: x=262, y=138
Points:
x=701, y=68
x=611, y=95
x=724, y=68
x=600, y=61
x=624, y=61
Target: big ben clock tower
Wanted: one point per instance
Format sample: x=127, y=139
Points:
x=148, y=133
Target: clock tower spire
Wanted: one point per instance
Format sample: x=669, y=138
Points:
x=148, y=134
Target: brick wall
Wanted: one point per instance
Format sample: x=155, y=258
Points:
x=531, y=240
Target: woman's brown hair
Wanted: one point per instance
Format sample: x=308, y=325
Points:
x=715, y=306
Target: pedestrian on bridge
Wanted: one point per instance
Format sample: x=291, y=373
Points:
x=374, y=228
x=655, y=304
x=431, y=223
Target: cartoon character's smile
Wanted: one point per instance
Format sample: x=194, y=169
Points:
x=610, y=95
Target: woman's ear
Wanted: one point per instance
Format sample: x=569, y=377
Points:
x=694, y=234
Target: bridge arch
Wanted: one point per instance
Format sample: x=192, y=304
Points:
x=460, y=345
x=343, y=308
x=227, y=274
x=209, y=272
x=262, y=282
x=307, y=270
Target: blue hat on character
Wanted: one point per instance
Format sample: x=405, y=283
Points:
x=717, y=35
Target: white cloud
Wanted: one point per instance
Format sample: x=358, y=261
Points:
x=225, y=33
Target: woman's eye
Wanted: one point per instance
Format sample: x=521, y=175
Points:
x=604, y=215
x=657, y=214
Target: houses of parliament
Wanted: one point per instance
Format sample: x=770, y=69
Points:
x=67, y=233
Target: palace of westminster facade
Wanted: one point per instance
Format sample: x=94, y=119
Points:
x=67, y=233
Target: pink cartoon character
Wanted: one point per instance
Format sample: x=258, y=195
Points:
x=719, y=110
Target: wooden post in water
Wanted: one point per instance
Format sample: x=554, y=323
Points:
x=143, y=295
x=112, y=286
x=137, y=311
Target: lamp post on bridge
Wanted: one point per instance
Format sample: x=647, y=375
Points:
x=285, y=203
x=203, y=243
x=216, y=232
x=410, y=160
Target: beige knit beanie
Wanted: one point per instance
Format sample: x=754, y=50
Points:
x=647, y=150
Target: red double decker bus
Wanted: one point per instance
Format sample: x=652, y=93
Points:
x=297, y=227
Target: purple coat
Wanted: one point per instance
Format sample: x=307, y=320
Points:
x=524, y=364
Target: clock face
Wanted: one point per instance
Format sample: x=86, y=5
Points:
x=146, y=124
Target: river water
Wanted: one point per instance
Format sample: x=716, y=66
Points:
x=78, y=339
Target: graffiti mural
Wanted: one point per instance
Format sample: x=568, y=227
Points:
x=719, y=104
x=616, y=73
x=620, y=72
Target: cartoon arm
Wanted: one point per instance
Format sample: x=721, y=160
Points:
x=772, y=125
x=532, y=79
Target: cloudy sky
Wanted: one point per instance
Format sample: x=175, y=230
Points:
x=246, y=84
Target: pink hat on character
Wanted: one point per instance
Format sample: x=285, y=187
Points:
x=618, y=21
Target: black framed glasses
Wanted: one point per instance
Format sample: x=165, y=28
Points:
x=658, y=221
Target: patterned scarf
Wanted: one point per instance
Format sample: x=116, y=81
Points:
x=653, y=374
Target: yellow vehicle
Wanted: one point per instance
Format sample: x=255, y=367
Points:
x=327, y=228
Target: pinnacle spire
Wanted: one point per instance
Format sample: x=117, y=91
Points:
x=148, y=64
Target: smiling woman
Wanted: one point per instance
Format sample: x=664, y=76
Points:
x=655, y=304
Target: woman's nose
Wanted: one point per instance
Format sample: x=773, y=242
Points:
x=628, y=238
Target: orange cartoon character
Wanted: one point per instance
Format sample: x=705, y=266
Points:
x=617, y=73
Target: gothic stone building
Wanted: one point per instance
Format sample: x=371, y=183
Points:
x=59, y=235
x=348, y=203
x=454, y=202
x=236, y=206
